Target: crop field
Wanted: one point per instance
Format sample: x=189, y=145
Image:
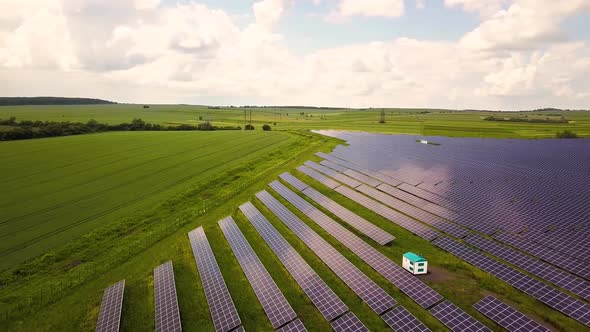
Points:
x=431, y=122
x=63, y=187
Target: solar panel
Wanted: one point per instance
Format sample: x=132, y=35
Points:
x=294, y=326
x=373, y=295
x=348, y=323
x=414, y=212
x=351, y=173
x=455, y=318
x=404, y=221
x=568, y=305
x=166, y=302
x=407, y=283
x=276, y=307
x=506, y=316
x=333, y=174
x=536, y=267
x=400, y=319
x=318, y=177
x=221, y=306
x=109, y=317
x=295, y=182
x=376, y=175
x=359, y=223
x=320, y=294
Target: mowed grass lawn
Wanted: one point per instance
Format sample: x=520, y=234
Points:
x=56, y=189
x=430, y=122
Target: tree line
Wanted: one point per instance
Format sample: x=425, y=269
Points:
x=17, y=101
x=27, y=129
x=526, y=119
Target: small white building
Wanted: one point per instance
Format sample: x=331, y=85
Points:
x=414, y=263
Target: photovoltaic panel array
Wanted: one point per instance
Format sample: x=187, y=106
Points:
x=109, y=317
x=294, y=326
x=333, y=174
x=376, y=175
x=166, y=302
x=295, y=182
x=326, y=181
x=456, y=319
x=362, y=225
x=320, y=294
x=407, y=283
x=276, y=307
x=399, y=319
x=373, y=295
x=404, y=221
x=348, y=323
x=351, y=173
x=414, y=212
x=568, y=305
x=507, y=317
x=533, y=266
x=221, y=306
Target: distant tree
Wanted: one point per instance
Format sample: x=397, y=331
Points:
x=146, y=106
x=249, y=127
x=137, y=124
x=566, y=134
x=266, y=127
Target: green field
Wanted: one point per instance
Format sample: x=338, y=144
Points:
x=430, y=122
x=82, y=212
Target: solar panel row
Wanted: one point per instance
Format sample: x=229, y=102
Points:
x=348, y=323
x=414, y=212
x=373, y=295
x=109, y=316
x=351, y=173
x=274, y=304
x=407, y=283
x=221, y=306
x=551, y=256
x=333, y=174
x=166, y=302
x=506, y=316
x=294, y=326
x=326, y=181
x=545, y=271
x=456, y=319
x=564, y=303
x=418, y=202
x=359, y=223
x=295, y=182
x=390, y=214
x=399, y=319
x=320, y=294
x=376, y=175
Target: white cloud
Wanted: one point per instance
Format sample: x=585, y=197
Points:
x=367, y=8
x=526, y=24
x=485, y=8
x=191, y=53
x=269, y=12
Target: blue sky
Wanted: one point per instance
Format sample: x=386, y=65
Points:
x=494, y=54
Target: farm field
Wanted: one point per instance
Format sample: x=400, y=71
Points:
x=63, y=187
x=431, y=122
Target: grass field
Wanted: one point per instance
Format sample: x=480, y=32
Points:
x=60, y=188
x=82, y=212
x=411, y=121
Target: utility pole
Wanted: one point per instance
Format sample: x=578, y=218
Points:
x=382, y=120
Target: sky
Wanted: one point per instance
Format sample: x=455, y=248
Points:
x=486, y=54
